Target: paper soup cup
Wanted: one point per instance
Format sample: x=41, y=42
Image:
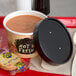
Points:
x=18, y=41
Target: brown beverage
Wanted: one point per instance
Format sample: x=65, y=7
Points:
x=23, y=23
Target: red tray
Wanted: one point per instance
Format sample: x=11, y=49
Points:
x=70, y=22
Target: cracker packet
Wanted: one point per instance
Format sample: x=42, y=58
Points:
x=11, y=62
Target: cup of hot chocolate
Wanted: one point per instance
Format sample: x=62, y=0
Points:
x=19, y=26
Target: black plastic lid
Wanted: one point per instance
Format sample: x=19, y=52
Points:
x=53, y=41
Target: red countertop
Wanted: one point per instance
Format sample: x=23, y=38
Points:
x=70, y=22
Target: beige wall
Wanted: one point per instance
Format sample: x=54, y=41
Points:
x=58, y=7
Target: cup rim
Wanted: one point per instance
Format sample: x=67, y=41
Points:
x=4, y=21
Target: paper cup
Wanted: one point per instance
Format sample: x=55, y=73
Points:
x=18, y=42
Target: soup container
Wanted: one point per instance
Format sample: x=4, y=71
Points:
x=21, y=43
